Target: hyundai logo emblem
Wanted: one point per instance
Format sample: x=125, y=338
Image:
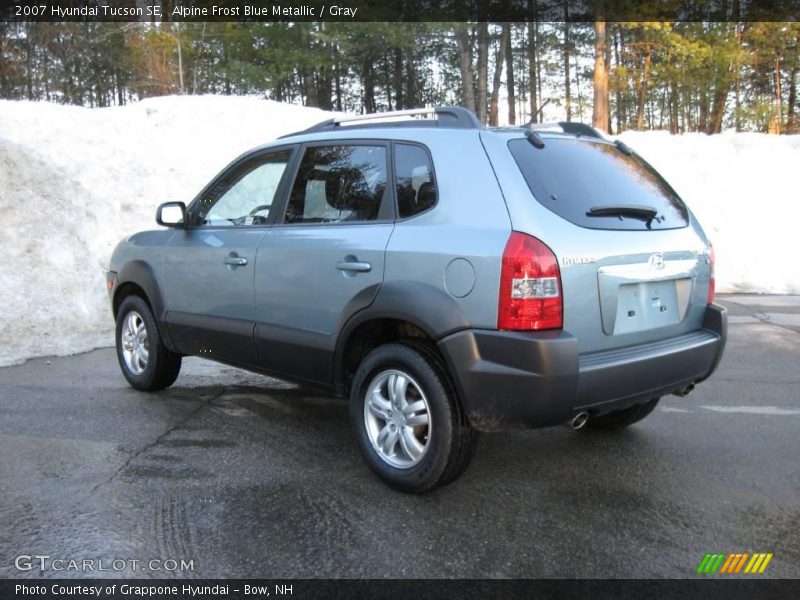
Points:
x=656, y=261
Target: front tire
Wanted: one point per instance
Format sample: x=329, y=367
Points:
x=145, y=361
x=406, y=418
x=620, y=419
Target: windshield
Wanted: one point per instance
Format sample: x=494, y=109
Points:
x=572, y=176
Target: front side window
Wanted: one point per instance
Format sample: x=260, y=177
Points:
x=245, y=198
x=416, y=189
x=338, y=183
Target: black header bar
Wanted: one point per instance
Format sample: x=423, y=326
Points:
x=733, y=588
x=406, y=10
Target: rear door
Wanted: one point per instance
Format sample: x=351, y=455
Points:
x=208, y=268
x=325, y=255
x=634, y=263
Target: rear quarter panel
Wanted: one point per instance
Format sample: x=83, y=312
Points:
x=456, y=247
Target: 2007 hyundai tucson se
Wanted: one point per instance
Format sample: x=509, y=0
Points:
x=446, y=277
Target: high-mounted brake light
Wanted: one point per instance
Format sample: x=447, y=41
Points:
x=530, y=286
x=712, y=284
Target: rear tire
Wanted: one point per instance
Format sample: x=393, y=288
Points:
x=406, y=418
x=620, y=419
x=145, y=361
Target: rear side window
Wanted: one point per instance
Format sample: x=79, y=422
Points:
x=414, y=183
x=338, y=183
x=573, y=176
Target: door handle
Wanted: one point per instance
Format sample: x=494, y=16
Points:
x=235, y=261
x=355, y=266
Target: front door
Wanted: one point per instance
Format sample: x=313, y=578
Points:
x=208, y=268
x=327, y=251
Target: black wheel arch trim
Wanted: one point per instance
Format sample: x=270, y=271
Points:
x=424, y=306
x=142, y=274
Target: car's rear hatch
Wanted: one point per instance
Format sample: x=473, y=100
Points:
x=634, y=263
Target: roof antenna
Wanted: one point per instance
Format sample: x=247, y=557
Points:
x=538, y=112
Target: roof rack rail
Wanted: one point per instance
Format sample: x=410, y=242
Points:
x=454, y=117
x=569, y=127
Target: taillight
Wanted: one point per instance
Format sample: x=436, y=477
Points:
x=711, y=282
x=530, y=286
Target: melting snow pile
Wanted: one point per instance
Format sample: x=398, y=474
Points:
x=74, y=181
x=743, y=189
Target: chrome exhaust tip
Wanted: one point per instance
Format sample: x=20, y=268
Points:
x=580, y=420
x=685, y=391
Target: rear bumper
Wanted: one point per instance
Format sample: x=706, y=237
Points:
x=512, y=380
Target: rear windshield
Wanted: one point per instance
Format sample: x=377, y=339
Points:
x=572, y=176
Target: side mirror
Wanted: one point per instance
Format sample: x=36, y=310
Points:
x=172, y=214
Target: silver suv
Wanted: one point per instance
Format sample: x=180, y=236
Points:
x=446, y=277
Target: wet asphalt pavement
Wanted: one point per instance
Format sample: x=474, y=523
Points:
x=251, y=477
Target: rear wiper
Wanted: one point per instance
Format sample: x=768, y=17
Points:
x=645, y=213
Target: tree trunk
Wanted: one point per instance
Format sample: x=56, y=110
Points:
x=500, y=58
x=738, y=72
x=483, y=70
x=776, y=125
x=532, y=61
x=413, y=95
x=578, y=86
x=368, y=82
x=307, y=74
x=180, y=58
x=539, y=78
x=702, y=122
x=388, y=84
x=643, y=89
x=465, y=64
x=29, y=66
x=672, y=87
x=325, y=89
x=600, y=110
x=792, y=121
x=685, y=102
x=673, y=107
x=338, y=82
x=567, y=101
x=120, y=92
x=309, y=89
x=620, y=108
x=718, y=105
x=197, y=61
x=510, y=85
x=608, y=84
x=721, y=92
x=4, y=87
x=398, y=79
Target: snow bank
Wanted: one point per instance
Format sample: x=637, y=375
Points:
x=74, y=181
x=744, y=189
